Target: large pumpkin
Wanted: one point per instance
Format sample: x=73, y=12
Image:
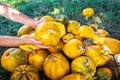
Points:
x=110, y=44
x=28, y=47
x=104, y=73
x=56, y=66
x=12, y=58
x=37, y=58
x=25, y=72
x=84, y=65
x=73, y=48
x=74, y=76
x=48, y=32
x=98, y=54
x=25, y=29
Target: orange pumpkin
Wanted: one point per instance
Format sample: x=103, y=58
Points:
x=56, y=66
x=48, y=32
x=85, y=66
x=97, y=53
x=86, y=32
x=67, y=37
x=56, y=48
x=110, y=44
x=25, y=29
x=37, y=58
x=88, y=12
x=25, y=72
x=46, y=18
x=28, y=47
x=73, y=48
x=102, y=32
x=12, y=58
x=73, y=26
x=74, y=76
x=104, y=73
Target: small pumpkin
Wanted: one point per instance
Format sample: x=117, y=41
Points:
x=12, y=58
x=94, y=26
x=67, y=37
x=28, y=47
x=56, y=66
x=73, y=48
x=48, y=33
x=25, y=72
x=111, y=45
x=84, y=65
x=74, y=76
x=62, y=19
x=86, y=32
x=102, y=32
x=104, y=73
x=37, y=58
x=73, y=26
x=88, y=12
x=25, y=29
x=89, y=42
x=46, y=18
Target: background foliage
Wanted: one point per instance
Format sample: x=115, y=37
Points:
x=110, y=10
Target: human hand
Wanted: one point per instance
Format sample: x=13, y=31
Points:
x=38, y=44
x=36, y=23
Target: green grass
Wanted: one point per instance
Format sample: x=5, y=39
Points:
x=71, y=8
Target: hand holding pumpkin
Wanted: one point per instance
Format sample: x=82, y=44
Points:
x=37, y=44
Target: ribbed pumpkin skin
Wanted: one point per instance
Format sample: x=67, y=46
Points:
x=86, y=32
x=110, y=44
x=25, y=29
x=48, y=32
x=97, y=53
x=73, y=48
x=28, y=47
x=25, y=72
x=12, y=58
x=83, y=65
x=37, y=58
x=88, y=12
x=104, y=73
x=56, y=66
x=47, y=18
x=73, y=26
x=74, y=76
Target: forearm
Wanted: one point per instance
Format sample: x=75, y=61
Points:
x=7, y=41
x=15, y=15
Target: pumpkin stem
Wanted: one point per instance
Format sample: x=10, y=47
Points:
x=83, y=49
x=24, y=72
x=52, y=57
x=51, y=31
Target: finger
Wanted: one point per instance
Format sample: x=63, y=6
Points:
x=44, y=47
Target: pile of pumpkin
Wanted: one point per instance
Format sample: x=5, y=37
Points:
x=77, y=52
